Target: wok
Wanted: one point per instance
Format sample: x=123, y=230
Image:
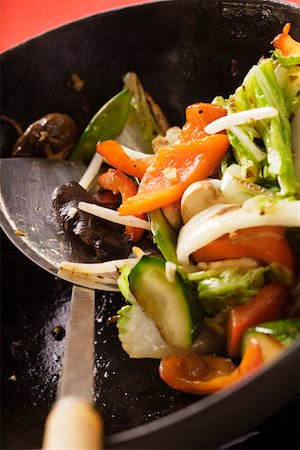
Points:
x=183, y=52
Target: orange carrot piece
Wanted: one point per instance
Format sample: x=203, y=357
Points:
x=186, y=162
x=198, y=116
x=286, y=43
x=114, y=154
x=266, y=243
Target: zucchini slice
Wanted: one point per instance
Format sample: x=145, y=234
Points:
x=173, y=305
x=272, y=336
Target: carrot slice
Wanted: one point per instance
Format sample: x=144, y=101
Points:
x=266, y=243
x=269, y=304
x=198, y=116
x=173, y=170
x=286, y=43
x=165, y=175
x=114, y=154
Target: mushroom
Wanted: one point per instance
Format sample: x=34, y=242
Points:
x=199, y=196
x=107, y=238
x=53, y=137
x=173, y=215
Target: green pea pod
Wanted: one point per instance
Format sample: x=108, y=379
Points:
x=148, y=126
x=107, y=123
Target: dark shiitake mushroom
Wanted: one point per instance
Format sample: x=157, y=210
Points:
x=53, y=137
x=107, y=238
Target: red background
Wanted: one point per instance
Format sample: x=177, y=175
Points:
x=23, y=19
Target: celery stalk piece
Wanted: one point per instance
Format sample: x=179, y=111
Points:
x=261, y=88
x=221, y=288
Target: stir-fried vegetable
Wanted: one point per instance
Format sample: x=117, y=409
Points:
x=218, y=198
x=269, y=304
x=267, y=243
x=117, y=182
x=272, y=336
x=107, y=123
x=115, y=155
x=192, y=157
x=204, y=374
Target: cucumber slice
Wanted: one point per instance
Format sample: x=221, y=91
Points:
x=284, y=331
x=269, y=346
x=173, y=305
x=272, y=336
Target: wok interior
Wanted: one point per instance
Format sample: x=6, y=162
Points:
x=183, y=52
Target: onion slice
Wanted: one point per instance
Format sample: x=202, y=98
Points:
x=218, y=220
x=91, y=171
x=240, y=118
x=134, y=154
x=113, y=216
x=100, y=276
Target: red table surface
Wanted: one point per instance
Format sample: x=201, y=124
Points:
x=23, y=19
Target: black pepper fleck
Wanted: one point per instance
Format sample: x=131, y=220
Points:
x=58, y=332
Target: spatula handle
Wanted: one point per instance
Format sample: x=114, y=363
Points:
x=73, y=425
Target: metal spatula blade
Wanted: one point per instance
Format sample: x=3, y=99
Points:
x=26, y=216
x=26, y=213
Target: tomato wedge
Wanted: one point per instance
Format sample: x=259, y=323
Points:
x=186, y=373
x=269, y=304
x=286, y=43
x=115, y=181
x=266, y=243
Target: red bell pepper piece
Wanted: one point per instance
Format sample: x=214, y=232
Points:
x=188, y=373
x=115, y=181
x=269, y=304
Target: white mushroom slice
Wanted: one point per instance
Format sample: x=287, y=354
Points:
x=199, y=196
x=173, y=215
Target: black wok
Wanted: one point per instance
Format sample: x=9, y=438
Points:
x=183, y=51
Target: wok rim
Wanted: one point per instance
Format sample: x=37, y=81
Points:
x=286, y=358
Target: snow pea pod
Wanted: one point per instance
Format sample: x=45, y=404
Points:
x=107, y=123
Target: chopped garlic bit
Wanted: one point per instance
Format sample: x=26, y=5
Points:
x=19, y=232
x=171, y=174
x=76, y=82
x=72, y=212
x=170, y=269
x=138, y=252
